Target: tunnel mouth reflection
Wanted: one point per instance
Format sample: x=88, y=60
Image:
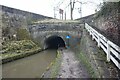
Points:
x=54, y=42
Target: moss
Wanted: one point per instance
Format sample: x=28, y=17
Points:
x=85, y=61
x=53, y=69
x=83, y=58
x=56, y=66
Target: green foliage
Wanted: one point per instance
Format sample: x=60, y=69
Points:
x=22, y=34
x=56, y=66
x=19, y=46
x=28, y=46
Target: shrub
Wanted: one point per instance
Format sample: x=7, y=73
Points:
x=23, y=34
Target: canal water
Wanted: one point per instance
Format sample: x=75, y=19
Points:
x=29, y=67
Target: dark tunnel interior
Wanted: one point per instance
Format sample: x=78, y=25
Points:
x=54, y=42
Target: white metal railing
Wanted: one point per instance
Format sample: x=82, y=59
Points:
x=112, y=50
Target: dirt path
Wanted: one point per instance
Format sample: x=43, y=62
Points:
x=71, y=67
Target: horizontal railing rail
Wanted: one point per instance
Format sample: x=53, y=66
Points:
x=112, y=50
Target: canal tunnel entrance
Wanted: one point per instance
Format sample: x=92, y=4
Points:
x=54, y=42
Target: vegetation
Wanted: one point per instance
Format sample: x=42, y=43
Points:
x=84, y=60
x=14, y=48
x=107, y=8
x=22, y=34
x=56, y=21
x=53, y=69
x=56, y=66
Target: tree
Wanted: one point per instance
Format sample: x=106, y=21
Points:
x=72, y=4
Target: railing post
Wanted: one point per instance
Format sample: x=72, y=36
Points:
x=85, y=26
x=90, y=32
x=98, y=41
x=108, y=51
x=93, y=37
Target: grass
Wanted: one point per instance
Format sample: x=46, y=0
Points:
x=56, y=66
x=8, y=55
x=12, y=57
x=20, y=48
x=83, y=58
x=85, y=61
x=53, y=69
